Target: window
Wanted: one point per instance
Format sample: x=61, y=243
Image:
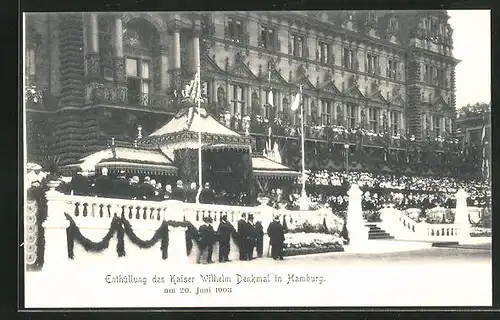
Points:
x=206, y=90
x=351, y=116
x=267, y=38
x=235, y=29
x=298, y=45
x=326, y=112
x=373, y=116
x=392, y=71
x=305, y=106
x=324, y=52
x=395, y=122
x=138, y=80
x=349, y=58
x=238, y=99
x=372, y=63
x=436, y=121
x=270, y=107
x=30, y=61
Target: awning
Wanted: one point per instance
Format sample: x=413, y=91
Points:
x=267, y=168
x=182, y=133
x=131, y=160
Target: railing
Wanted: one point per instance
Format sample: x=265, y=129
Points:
x=403, y=227
x=105, y=94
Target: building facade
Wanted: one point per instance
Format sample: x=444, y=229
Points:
x=92, y=77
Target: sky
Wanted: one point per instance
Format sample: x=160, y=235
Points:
x=472, y=45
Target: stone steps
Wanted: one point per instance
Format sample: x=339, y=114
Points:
x=376, y=233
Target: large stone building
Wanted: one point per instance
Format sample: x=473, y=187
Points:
x=98, y=76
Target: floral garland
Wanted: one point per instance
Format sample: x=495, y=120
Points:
x=122, y=227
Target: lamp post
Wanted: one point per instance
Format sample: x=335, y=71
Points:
x=346, y=147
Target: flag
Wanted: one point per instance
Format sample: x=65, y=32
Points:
x=270, y=97
x=296, y=102
x=484, y=145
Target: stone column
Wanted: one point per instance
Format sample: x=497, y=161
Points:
x=177, y=245
x=92, y=58
x=443, y=126
x=402, y=126
x=344, y=114
x=355, y=224
x=118, y=60
x=358, y=114
x=175, y=56
x=431, y=125
x=164, y=67
x=334, y=112
x=195, y=49
x=56, y=245
x=462, y=215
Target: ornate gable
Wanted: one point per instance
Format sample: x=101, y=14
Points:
x=209, y=65
x=397, y=100
x=331, y=88
x=354, y=92
x=440, y=105
x=242, y=70
x=277, y=78
x=304, y=82
x=377, y=96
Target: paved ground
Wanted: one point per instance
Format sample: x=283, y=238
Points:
x=422, y=277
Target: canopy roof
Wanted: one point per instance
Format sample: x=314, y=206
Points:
x=182, y=133
x=267, y=168
x=130, y=160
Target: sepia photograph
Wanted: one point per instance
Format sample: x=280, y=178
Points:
x=257, y=159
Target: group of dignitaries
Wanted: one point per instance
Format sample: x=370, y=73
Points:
x=249, y=238
x=132, y=188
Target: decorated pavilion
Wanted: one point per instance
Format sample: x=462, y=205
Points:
x=172, y=151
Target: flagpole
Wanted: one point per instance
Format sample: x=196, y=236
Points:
x=198, y=98
x=303, y=193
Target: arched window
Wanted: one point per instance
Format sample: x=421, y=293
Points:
x=139, y=39
x=32, y=43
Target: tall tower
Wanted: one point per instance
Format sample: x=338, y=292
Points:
x=430, y=74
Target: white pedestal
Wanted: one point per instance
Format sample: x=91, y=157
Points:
x=358, y=233
x=177, y=245
x=462, y=216
x=56, y=239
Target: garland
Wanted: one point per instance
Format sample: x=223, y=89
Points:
x=121, y=226
x=73, y=233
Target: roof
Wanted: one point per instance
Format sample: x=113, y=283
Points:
x=267, y=168
x=189, y=120
x=135, y=160
x=182, y=133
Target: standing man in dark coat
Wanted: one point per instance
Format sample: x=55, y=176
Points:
x=252, y=237
x=207, y=195
x=224, y=234
x=178, y=192
x=80, y=184
x=146, y=189
x=242, y=236
x=259, y=231
x=207, y=239
x=121, y=187
x=103, y=184
x=276, y=238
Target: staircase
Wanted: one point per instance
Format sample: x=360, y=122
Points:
x=375, y=233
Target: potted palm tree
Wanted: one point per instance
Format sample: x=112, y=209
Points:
x=50, y=164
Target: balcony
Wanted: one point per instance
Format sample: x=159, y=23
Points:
x=112, y=95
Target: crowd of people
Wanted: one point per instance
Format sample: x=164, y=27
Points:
x=250, y=238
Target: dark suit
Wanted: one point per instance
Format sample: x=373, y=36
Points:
x=178, y=194
x=207, y=240
x=146, y=191
x=103, y=186
x=259, y=232
x=120, y=189
x=276, y=239
x=242, y=237
x=80, y=185
x=224, y=235
x=207, y=195
x=251, y=239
